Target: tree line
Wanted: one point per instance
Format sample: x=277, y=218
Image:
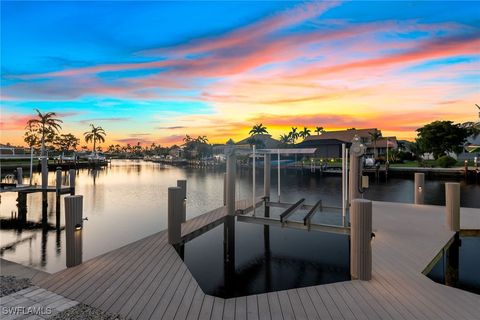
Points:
x=44, y=132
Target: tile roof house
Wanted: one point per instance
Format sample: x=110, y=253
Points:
x=329, y=143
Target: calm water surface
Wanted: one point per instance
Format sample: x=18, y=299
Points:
x=266, y=259
x=459, y=265
x=127, y=201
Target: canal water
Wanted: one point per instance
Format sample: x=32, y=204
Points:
x=128, y=201
x=264, y=259
x=460, y=264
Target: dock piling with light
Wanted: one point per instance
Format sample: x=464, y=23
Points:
x=73, y=229
x=360, y=239
x=419, y=187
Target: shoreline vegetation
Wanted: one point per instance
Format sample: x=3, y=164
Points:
x=436, y=146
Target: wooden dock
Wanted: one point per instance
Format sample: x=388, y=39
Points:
x=32, y=189
x=148, y=280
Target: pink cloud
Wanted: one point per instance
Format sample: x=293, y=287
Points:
x=252, y=32
x=14, y=121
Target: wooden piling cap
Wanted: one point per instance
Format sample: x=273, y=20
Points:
x=74, y=196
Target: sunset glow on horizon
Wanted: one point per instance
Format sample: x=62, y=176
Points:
x=155, y=71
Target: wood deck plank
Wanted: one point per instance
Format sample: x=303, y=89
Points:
x=307, y=304
x=147, y=299
x=172, y=307
x=207, y=307
x=153, y=279
x=339, y=302
x=318, y=303
x=83, y=287
x=217, y=312
x=229, y=310
x=274, y=303
x=263, y=307
x=196, y=306
x=159, y=301
x=297, y=305
x=252, y=307
x=285, y=305
x=103, y=283
x=187, y=301
x=131, y=295
x=241, y=308
x=130, y=274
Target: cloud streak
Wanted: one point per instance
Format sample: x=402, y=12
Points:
x=309, y=64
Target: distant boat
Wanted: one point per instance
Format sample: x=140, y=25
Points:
x=97, y=157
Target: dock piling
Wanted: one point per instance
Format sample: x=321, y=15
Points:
x=19, y=175
x=73, y=229
x=183, y=185
x=266, y=175
x=452, y=205
x=58, y=180
x=175, y=201
x=419, y=187
x=44, y=166
x=357, y=150
x=58, y=188
x=225, y=189
x=71, y=176
x=360, y=239
x=231, y=176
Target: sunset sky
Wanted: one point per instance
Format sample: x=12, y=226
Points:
x=155, y=71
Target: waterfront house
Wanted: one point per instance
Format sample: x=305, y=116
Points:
x=262, y=141
x=329, y=143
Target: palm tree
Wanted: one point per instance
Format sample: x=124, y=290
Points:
x=293, y=135
x=304, y=133
x=375, y=136
x=187, y=139
x=319, y=130
x=258, y=129
x=202, y=139
x=46, y=124
x=96, y=134
x=285, y=138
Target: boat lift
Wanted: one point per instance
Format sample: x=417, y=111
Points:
x=285, y=222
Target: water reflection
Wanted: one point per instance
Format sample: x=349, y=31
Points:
x=458, y=267
x=127, y=201
x=256, y=259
